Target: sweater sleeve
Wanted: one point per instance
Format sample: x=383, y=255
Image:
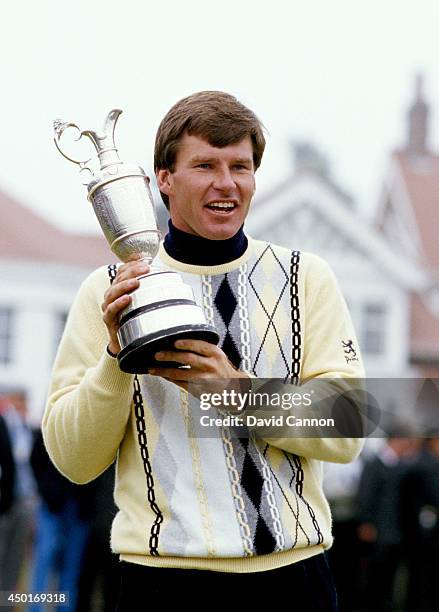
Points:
x=89, y=398
x=330, y=351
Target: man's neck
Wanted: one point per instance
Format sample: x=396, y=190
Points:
x=196, y=250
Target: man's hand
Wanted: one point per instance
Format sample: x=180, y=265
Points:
x=117, y=297
x=206, y=361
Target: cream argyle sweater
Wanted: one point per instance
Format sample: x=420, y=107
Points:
x=218, y=503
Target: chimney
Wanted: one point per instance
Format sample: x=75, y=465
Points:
x=418, y=121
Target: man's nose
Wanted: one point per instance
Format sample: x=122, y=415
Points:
x=224, y=180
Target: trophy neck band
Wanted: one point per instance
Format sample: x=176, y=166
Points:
x=111, y=179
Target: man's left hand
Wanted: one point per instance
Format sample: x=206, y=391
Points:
x=205, y=361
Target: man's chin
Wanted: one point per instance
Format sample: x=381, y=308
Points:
x=220, y=232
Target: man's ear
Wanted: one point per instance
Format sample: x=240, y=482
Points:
x=163, y=180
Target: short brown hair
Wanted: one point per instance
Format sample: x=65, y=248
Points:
x=215, y=116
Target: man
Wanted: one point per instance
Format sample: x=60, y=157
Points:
x=228, y=511
x=380, y=511
x=419, y=511
x=7, y=485
x=16, y=524
x=63, y=519
x=7, y=469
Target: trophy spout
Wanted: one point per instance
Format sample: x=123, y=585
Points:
x=104, y=143
x=111, y=120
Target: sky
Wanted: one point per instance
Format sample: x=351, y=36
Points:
x=336, y=73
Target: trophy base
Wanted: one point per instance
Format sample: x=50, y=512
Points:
x=138, y=356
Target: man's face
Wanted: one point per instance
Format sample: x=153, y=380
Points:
x=211, y=188
x=19, y=402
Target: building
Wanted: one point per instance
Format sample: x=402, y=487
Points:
x=41, y=268
x=388, y=268
x=408, y=219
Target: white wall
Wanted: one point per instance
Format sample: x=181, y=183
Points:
x=38, y=293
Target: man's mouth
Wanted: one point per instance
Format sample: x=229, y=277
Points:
x=221, y=207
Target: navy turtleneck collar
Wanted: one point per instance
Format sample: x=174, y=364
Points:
x=196, y=250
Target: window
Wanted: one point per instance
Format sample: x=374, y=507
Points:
x=373, y=328
x=6, y=323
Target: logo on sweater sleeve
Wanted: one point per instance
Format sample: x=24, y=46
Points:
x=350, y=352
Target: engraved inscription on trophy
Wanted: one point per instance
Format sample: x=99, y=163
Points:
x=163, y=308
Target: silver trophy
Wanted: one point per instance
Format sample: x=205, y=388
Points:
x=162, y=309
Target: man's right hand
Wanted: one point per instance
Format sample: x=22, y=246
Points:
x=117, y=297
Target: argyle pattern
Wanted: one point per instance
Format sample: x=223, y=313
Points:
x=251, y=308
x=226, y=303
x=270, y=314
x=246, y=454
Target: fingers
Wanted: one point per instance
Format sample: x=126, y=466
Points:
x=112, y=309
x=198, y=346
x=131, y=269
x=200, y=356
x=185, y=358
x=117, y=297
x=117, y=290
x=126, y=281
x=195, y=362
x=208, y=362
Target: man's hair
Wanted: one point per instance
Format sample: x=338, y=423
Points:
x=217, y=117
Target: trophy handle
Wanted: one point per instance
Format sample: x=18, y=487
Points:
x=60, y=127
x=104, y=143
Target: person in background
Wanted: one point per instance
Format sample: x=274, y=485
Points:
x=17, y=524
x=62, y=528
x=100, y=574
x=341, y=488
x=7, y=472
x=420, y=527
x=380, y=518
x=7, y=481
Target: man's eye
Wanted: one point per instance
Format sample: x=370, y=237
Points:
x=206, y=165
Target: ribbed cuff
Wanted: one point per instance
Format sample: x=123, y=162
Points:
x=111, y=354
x=108, y=375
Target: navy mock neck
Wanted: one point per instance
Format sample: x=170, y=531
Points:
x=196, y=250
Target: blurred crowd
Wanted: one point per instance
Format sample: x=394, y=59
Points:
x=54, y=535
x=385, y=509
